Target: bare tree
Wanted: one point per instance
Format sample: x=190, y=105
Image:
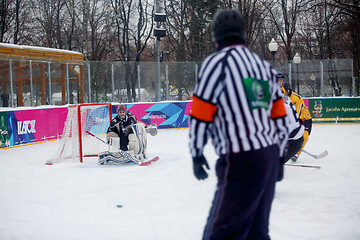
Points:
x=351, y=10
x=13, y=21
x=177, y=24
x=100, y=33
x=133, y=28
x=48, y=22
x=284, y=15
x=122, y=30
x=254, y=15
x=71, y=12
x=319, y=31
x=17, y=20
x=6, y=18
x=327, y=31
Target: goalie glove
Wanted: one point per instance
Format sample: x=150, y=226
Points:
x=152, y=129
x=110, y=135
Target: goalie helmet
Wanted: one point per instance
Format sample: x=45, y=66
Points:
x=121, y=108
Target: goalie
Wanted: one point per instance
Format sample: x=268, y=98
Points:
x=128, y=135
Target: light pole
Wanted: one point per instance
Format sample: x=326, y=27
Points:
x=313, y=78
x=297, y=61
x=273, y=47
x=159, y=32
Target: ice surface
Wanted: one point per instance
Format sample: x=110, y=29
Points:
x=164, y=200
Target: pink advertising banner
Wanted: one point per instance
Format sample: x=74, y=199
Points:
x=306, y=102
x=30, y=126
x=163, y=114
x=42, y=124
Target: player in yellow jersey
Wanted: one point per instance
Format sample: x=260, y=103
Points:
x=301, y=109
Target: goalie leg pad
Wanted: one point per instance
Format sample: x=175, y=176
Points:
x=134, y=147
x=114, y=158
x=138, y=141
x=114, y=144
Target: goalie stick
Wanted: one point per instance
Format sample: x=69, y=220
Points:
x=135, y=160
x=321, y=155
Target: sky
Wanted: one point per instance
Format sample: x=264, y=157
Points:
x=165, y=201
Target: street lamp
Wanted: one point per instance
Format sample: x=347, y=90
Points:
x=297, y=61
x=273, y=47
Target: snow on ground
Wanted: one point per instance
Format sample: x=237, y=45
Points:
x=164, y=200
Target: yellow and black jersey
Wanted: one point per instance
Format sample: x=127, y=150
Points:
x=300, y=107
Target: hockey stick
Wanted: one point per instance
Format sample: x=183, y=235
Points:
x=93, y=135
x=321, y=155
x=301, y=165
x=135, y=160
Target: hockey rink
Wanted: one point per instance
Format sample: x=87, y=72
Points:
x=165, y=201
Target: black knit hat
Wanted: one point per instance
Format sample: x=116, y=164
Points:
x=228, y=23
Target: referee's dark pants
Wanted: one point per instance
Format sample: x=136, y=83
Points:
x=245, y=190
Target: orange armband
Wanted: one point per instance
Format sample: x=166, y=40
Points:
x=203, y=110
x=278, y=109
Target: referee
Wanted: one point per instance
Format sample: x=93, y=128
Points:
x=238, y=103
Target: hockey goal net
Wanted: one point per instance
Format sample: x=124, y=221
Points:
x=76, y=143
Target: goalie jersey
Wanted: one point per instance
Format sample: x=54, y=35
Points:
x=122, y=128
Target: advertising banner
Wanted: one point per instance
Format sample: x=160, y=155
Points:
x=338, y=110
x=163, y=114
x=29, y=126
x=4, y=130
x=42, y=124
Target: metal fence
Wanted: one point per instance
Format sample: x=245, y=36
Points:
x=136, y=82
x=34, y=83
x=320, y=78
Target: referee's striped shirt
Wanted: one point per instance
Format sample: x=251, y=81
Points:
x=238, y=103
